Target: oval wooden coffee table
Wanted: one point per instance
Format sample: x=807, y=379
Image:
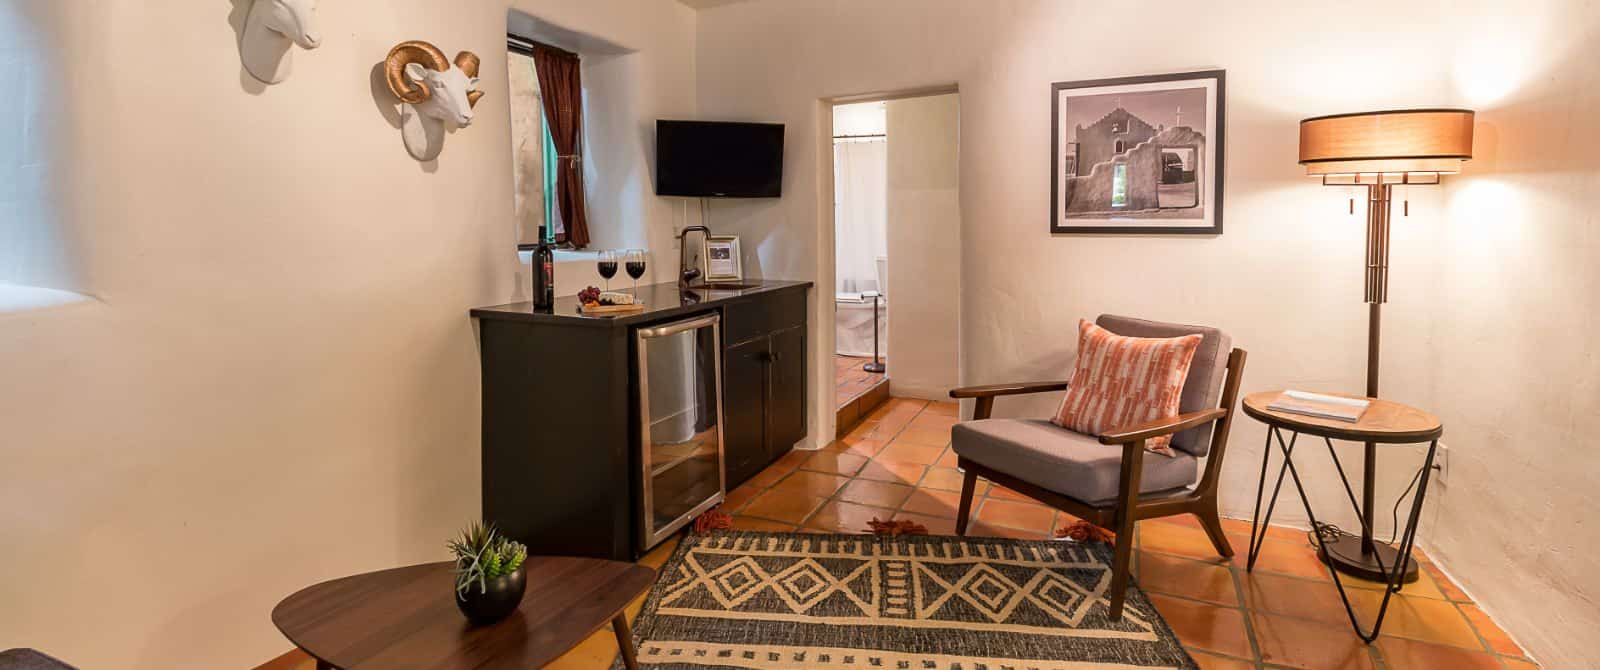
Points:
x=407, y=617
x=1383, y=422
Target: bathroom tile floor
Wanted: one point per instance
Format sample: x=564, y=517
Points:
x=1286, y=614
x=850, y=380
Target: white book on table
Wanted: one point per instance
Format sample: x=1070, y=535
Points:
x=1320, y=405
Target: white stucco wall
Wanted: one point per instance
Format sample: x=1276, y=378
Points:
x=279, y=382
x=1493, y=295
x=924, y=231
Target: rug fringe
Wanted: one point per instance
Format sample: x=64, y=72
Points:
x=894, y=528
x=713, y=519
x=1083, y=531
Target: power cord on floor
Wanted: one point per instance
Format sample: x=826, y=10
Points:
x=1327, y=532
x=1323, y=533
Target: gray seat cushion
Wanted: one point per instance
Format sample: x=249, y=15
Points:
x=29, y=659
x=1203, y=389
x=1054, y=458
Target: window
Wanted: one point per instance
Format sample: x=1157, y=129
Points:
x=1119, y=185
x=38, y=266
x=1119, y=147
x=533, y=153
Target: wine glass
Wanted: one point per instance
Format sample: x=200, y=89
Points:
x=635, y=266
x=607, y=265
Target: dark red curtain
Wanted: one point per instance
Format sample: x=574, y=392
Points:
x=562, y=89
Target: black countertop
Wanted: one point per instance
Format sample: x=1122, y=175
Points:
x=660, y=301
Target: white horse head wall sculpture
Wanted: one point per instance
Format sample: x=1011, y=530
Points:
x=433, y=91
x=271, y=29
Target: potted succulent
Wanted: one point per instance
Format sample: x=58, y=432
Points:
x=489, y=573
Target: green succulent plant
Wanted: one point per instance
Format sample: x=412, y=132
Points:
x=482, y=554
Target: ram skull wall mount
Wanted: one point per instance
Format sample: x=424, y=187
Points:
x=433, y=92
x=271, y=30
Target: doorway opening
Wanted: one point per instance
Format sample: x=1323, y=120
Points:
x=861, y=248
x=896, y=251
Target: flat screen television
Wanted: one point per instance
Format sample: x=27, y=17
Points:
x=712, y=159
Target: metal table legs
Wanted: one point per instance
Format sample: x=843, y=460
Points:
x=1395, y=574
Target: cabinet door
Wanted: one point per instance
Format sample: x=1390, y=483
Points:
x=786, y=395
x=744, y=383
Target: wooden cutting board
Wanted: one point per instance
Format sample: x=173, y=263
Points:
x=611, y=310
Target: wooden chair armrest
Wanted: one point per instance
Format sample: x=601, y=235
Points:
x=1016, y=388
x=1159, y=427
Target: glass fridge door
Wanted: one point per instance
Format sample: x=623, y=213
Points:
x=680, y=403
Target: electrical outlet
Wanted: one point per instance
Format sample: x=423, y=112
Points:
x=1441, y=465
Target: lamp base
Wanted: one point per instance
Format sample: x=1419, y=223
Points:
x=1346, y=555
x=873, y=367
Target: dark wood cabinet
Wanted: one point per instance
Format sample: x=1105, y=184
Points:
x=561, y=413
x=744, y=383
x=763, y=384
x=786, y=391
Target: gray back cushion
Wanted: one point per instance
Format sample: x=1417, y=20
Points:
x=1203, y=389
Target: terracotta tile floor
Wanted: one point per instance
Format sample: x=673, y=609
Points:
x=1285, y=614
x=851, y=381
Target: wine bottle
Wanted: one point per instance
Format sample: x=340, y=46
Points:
x=544, y=275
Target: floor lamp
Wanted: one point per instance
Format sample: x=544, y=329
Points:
x=1379, y=150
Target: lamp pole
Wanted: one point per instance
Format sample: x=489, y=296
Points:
x=1363, y=556
x=1377, y=294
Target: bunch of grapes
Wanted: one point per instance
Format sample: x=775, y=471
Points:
x=589, y=295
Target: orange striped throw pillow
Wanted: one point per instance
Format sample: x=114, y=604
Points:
x=1119, y=382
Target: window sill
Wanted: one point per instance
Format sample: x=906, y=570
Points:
x=20, y=298
x=564, y=255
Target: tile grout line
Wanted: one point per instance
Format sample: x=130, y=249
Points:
x=899, y=509
x=851, y=477
x=1239, y=573
x=1473, y=625
x=1248, y=611
x=917, y=486
x=799, y=467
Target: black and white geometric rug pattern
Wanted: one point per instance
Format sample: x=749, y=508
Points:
x=863, y=602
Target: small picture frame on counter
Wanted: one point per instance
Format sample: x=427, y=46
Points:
x=721, y=254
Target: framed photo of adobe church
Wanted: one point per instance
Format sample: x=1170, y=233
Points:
x=1137, y=155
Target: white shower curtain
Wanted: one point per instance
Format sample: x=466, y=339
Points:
x=860, y=195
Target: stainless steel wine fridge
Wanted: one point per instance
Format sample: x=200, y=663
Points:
x=680, y=417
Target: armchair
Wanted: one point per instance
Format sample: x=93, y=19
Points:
x=1112, y=488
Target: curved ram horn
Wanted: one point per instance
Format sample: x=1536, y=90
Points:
x=406, y=53
x=468, y=62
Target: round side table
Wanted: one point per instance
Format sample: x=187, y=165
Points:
x=1383, y=422
x=407, y=617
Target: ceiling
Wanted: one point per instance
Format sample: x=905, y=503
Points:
x=708, y=4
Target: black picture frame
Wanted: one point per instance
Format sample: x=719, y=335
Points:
x=1214, y=136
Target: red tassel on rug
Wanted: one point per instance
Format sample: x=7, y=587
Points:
x=713, y=519
x=1083, y=531
x=894, y=528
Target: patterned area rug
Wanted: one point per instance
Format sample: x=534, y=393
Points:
x=849, y=602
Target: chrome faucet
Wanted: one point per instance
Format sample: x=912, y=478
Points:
x=687, y=274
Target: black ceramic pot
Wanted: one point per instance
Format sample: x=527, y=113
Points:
x=495, y=602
